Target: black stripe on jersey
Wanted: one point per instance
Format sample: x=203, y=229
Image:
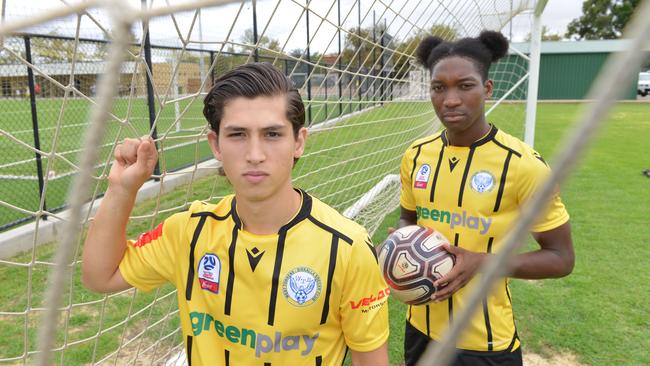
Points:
x=461, y=190
x=415, y=161
x=516, y=153
x=334, y=247
x=427, y=317
x=515, y=336
x=190, y=270
x=435, y=175
x=305, y=211
x=189, y=350
x=267, y=364
x=372, y=249
x=450, y=301
x=410, y=313
x=211, y=215
x=488, y=327
x=331, y=230
x=512, y=342
x=275, y=281
x=426, y=142
x=226, y=357
x=486, y=314
x=502, y=181
x=419, y=147
x=231, y=258
x=319, y=360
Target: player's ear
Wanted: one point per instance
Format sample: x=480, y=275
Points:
x=301, y=139
x=213, y=141
x=489, y=88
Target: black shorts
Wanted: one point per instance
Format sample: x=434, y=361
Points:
x=415, y=342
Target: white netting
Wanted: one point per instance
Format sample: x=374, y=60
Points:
x=366, y=100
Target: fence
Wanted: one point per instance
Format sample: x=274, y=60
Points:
x=44, y=106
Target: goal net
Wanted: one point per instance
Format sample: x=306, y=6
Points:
x=352, y=61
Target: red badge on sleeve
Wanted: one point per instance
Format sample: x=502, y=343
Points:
x=150, y=236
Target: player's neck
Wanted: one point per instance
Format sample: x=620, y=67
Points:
x=268, y=216
x=469, y=136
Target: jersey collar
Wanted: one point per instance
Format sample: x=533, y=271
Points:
x=303, y=213
x=488, y=137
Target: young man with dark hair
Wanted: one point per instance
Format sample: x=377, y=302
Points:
x=469, y=182
x=267, y=276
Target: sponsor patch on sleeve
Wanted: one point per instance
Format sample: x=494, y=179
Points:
x=371, y=302
x=149, y=236
x=209, y=272
x=422, y=177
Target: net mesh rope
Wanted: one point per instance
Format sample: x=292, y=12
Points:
x=365, y=105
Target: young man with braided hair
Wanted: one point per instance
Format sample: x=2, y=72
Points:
x=480, y=177
x=267, y=276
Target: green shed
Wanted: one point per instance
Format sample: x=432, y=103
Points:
x=567, y=68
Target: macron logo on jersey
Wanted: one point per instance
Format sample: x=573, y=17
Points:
x=260, y=342
x=454, y=219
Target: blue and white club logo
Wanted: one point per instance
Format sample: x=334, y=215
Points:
x=482, y=181
x=301, y=286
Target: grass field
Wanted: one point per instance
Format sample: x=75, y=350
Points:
x=18, y=171
x=599, y=313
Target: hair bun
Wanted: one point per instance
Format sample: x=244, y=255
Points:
x=424, y=49
x=495, y=42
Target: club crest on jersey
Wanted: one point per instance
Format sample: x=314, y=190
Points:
x=482, y=181
x=422, y=177
x=209, y=272
x=301, y=286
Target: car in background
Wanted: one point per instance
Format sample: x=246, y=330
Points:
x=643, y=85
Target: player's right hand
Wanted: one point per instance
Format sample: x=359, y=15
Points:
x=135, y=160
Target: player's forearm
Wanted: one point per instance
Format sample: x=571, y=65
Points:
x=406, y=218
x=378, y=357
x=106, y=240
x=543, y=263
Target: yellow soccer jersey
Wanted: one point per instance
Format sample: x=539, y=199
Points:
x=473, y=195
x=294, y=298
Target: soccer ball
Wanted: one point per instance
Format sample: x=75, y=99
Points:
x=412, y=258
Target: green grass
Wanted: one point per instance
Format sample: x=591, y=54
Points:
x=599, y=313
x=17, y=157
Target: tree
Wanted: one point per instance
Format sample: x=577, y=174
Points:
x=359, y=46
x=546, y=36
x=602, y=19
x=48, y=50
x=446, y=32
x=264, y=42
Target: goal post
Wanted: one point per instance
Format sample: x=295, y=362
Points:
x=367, y=101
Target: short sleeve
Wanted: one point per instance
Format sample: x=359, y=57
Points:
x=149, y=261
x=364, y=303
x=406, y=198
x=533, y=173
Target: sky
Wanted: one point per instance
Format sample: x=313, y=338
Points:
x=215, y=22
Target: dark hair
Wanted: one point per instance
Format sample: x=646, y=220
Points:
x=488, y=47
x=250, y=81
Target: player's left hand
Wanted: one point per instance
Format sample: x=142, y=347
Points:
x=467, y=264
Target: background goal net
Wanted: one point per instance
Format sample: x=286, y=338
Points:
x=366, y=101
